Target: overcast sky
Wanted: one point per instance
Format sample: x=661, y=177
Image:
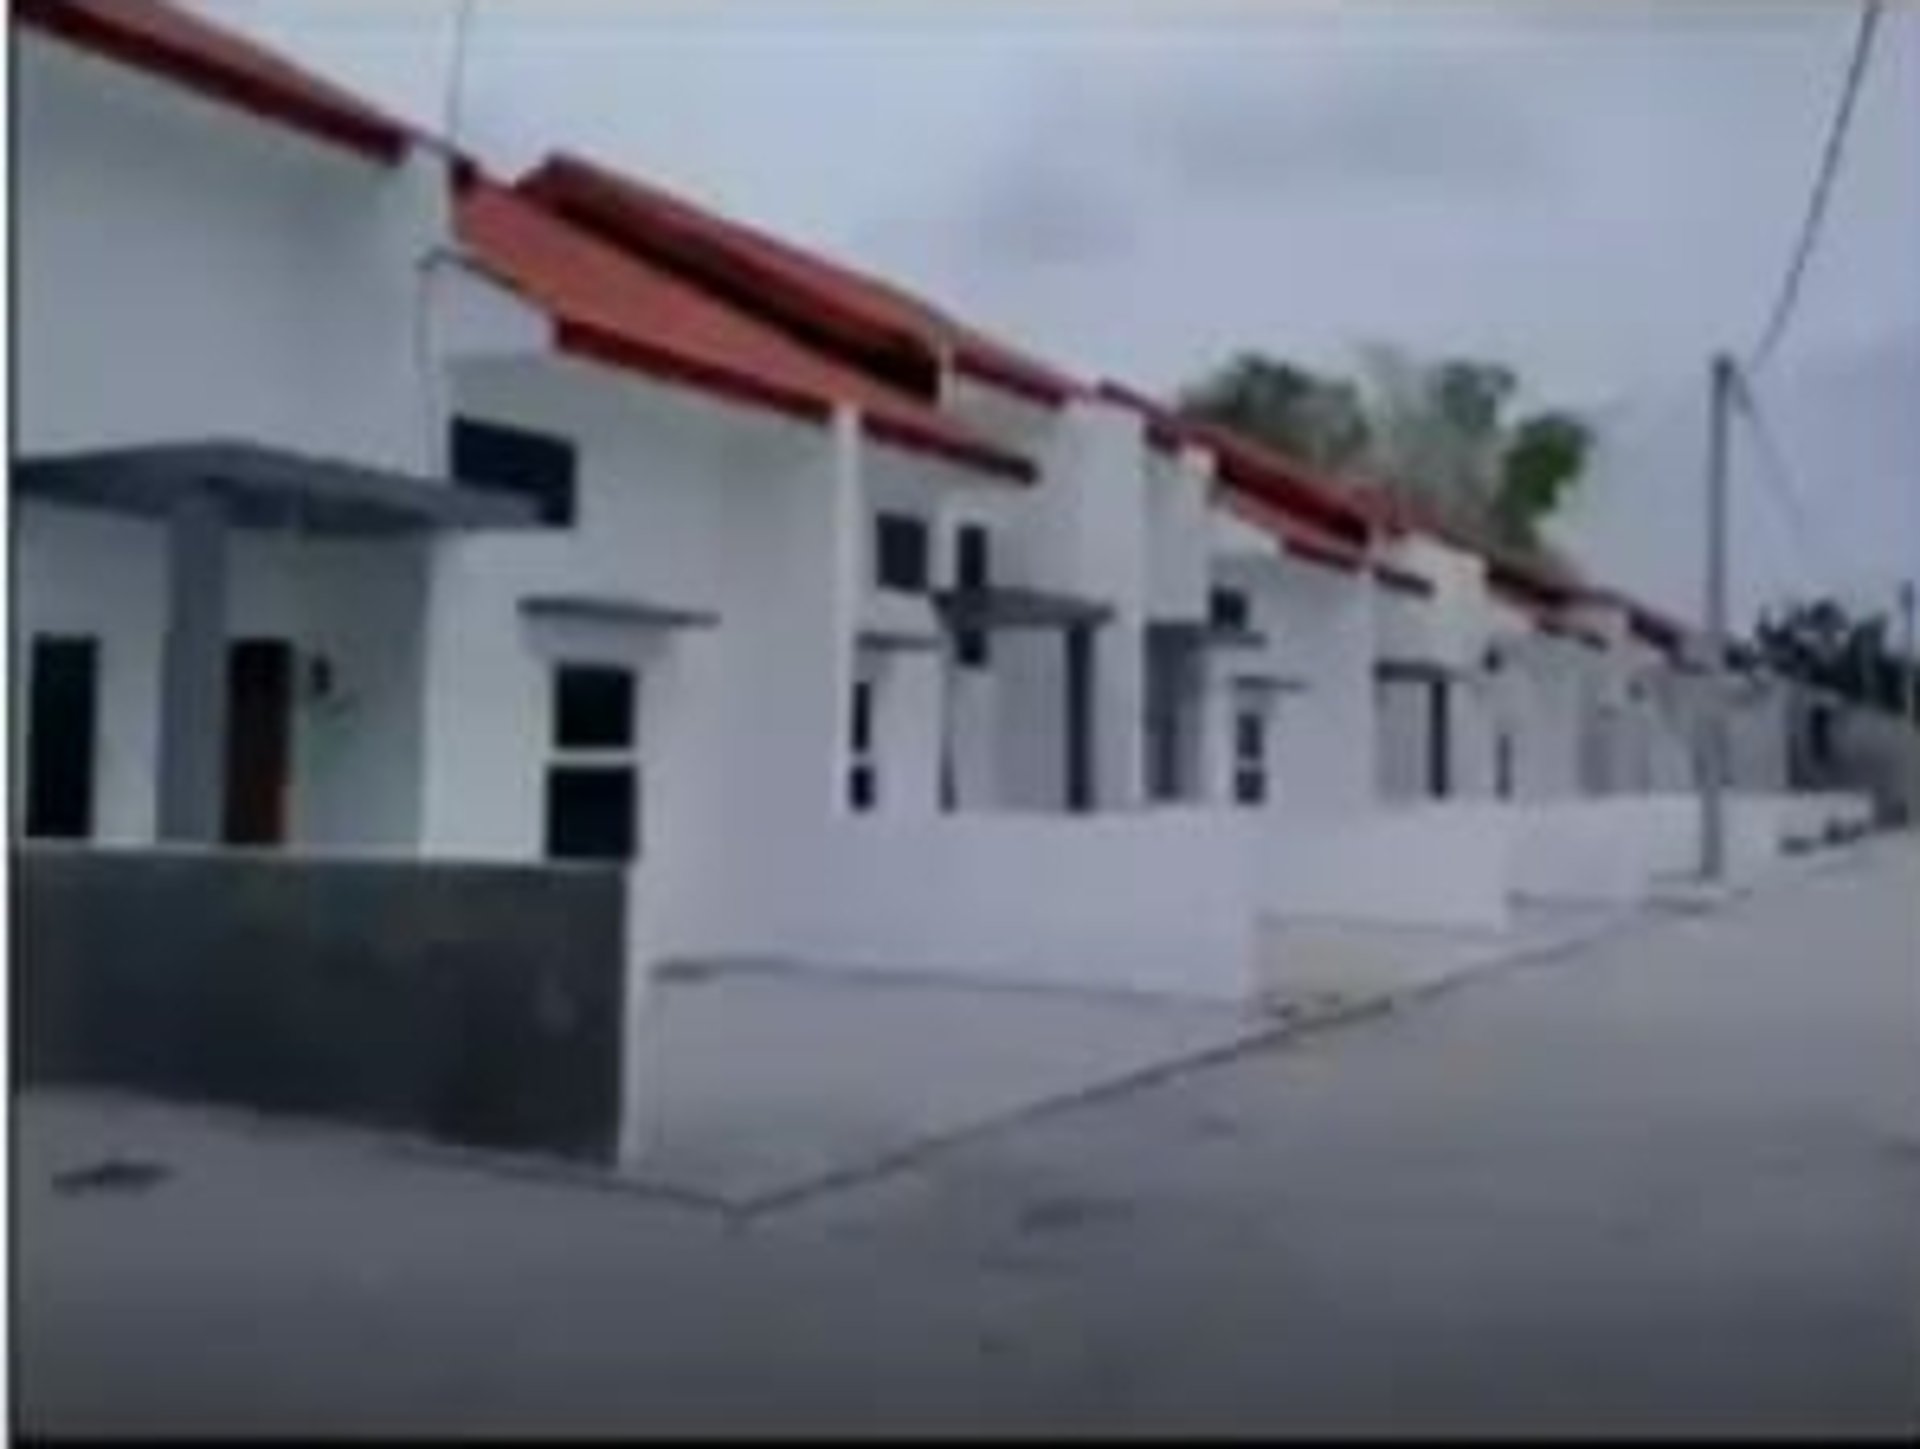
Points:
x=1598, y=193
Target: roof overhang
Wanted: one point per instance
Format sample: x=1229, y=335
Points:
x=173, y=44
x=266, y=487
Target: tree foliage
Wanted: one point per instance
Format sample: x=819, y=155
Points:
x=1437, y=428
x=1821, y=642
x=1318, y=419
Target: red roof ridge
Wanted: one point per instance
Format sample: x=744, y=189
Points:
x=174, y=44
x=615, y=307
x=855, y=309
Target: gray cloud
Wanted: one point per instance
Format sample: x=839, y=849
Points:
x=1246, y=128
x=1042, y=212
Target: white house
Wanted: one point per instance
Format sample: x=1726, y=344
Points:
x=227, y=492
x=370, y=503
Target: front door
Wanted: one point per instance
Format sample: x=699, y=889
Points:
x=259, y=741
x=1439, y=742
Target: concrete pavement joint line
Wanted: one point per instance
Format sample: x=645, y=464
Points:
x=1649, y=916
x=1349, y=1013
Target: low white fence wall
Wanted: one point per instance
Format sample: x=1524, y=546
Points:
x=1615, y=848
x=1442, y=864
x=1150, y=901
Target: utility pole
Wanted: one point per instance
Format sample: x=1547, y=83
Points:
x=1713, y=751
x=1910, y=702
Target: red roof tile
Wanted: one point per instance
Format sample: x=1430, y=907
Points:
x=1300, y=536
x=1252, y=469
x=616, y=308
x=175, y=45
x=874, y=321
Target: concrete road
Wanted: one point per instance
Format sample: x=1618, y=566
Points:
x=1669, y=1183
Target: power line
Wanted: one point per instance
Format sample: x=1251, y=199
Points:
x=1783, y=485
x=1810, y=226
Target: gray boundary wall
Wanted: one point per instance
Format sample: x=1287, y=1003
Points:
x=475, y=1003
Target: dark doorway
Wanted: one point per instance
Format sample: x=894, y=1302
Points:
x=1079, y=644
x=1439, y=742
x=259, y=740
x=62, y=711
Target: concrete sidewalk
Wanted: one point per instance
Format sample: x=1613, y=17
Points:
x=760, y=1084
x=1665, y=1186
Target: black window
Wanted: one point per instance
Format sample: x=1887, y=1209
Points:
x=973, y=556
x=863, y=717
x=1439, y=741
x=593, y=781
x=593, y=707
x=973, y=569
x=64, y=685
x=863, y=775
x=863, y=788
x=533, y=465
x=1503, y=765
x=900, y=552
x=591, y=811
x=1250, y=756
x=1228, y=608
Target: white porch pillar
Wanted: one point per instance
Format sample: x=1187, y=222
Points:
x=848, y=539
x=193, y=684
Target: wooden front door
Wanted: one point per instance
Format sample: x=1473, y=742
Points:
x=259, y=741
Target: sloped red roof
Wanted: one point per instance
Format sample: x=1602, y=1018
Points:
x=1300, y=536
x=861, y=314
x=176, y=45
x=1649, y=624
x=613, y=307
x=1250, y=469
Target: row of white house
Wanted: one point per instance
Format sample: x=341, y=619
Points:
x=369, y=503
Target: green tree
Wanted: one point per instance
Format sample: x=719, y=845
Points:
x=1543, y=458
x=1439, y=429
x=1318, y=419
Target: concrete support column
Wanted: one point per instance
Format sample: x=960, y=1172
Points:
x=193, y=672
x=1081, y=745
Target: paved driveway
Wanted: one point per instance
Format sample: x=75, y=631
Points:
x=1670, y=1182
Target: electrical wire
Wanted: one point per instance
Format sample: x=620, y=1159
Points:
x=1782, y=481
x=1789, y=294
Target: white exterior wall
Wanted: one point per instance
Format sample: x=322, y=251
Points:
x=185, y=271
x=188, y=272
x=1449, y=629
x=1318, y=627
x=1155, y=902
x=1432, y=864
x=1543, y=698
x=1179, y=533
x=680, y=501
x=355, y=602
x=80, y=571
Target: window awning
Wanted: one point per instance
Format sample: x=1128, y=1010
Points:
x=905, y=640
x=617, y=609
x=1418, y=671
x=1006, y=607
x=266, y=487
x=1204, y=633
